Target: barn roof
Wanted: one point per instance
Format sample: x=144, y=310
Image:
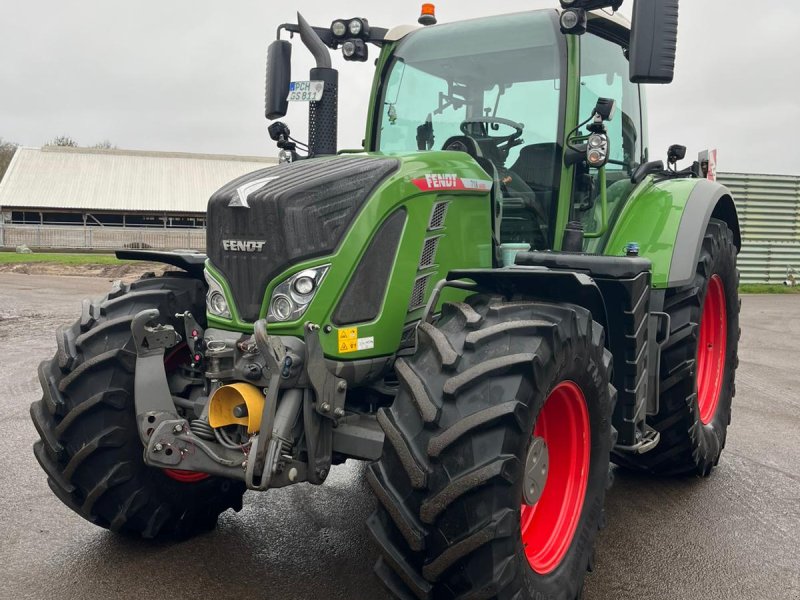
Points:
x=118, y=180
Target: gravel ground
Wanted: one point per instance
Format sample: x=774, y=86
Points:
x=733, y=536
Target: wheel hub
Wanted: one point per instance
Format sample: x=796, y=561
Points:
x=536, y=467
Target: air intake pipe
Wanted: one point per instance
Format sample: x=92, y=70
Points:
x=323, y=115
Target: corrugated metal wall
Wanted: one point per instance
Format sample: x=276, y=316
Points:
x=769, y=211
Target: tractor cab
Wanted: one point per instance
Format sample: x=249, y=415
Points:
x=512, y=110
x=512, y=92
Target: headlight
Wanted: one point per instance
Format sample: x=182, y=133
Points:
x=292, y=297
x=304, y=285
x=216, y=303
x=282, y=308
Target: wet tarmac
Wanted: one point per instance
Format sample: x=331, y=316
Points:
x=733, y=536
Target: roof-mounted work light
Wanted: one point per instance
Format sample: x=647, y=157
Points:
x=339, y=29
x=352, y=35
x=355, y=50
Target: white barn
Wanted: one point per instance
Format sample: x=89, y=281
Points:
x=84, y=197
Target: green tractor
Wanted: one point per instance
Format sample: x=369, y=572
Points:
x=494, y=299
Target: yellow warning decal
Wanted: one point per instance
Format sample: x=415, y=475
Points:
x=348, y=340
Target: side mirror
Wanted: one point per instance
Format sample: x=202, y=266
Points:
x=676, y=153
x=654, y=39
x=279, y=75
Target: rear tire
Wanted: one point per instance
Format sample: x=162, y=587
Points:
x=697, y=383
x=90, y=446
x=450, y=481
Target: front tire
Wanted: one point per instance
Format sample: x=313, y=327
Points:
x=485, y=384
x=86, y=419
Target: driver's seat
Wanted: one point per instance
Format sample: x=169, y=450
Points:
x=538, y=166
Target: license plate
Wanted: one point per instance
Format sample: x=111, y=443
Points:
x=306, y=91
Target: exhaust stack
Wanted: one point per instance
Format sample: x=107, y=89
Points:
x=323, y=116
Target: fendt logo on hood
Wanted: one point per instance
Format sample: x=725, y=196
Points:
x=244, y=191
x=242, y=245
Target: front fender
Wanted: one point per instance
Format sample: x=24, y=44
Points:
x=191, y=262
x=668, y=219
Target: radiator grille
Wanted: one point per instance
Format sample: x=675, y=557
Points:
x=409, y=337
x=437, y=216
x=418, y=293
x=428, y=258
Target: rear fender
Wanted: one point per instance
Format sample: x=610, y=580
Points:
x=708, y=200
x=668, y=220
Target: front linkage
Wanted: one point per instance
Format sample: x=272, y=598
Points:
x=292, y=376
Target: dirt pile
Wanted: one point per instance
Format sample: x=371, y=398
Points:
x=125, y=271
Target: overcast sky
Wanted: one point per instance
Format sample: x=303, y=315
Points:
x=188, y=75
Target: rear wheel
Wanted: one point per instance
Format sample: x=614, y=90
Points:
x=495, y=466
x=90, y=446
x=698, y=365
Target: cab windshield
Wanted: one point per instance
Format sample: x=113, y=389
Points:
x=492, y=88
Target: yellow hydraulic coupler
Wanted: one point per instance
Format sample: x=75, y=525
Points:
x=236, y=404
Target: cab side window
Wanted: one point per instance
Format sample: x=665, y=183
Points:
x=604, y=74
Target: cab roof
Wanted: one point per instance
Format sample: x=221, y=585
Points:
x=615, y=21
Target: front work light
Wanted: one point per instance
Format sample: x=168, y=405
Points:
x=355, y=50
x=356, y=27
x=338, y=29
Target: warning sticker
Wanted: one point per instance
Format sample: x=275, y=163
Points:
x=348, y=340
x=367, y=343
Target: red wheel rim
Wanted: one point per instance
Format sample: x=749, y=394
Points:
x=185, y=476
x=711, y=349
x=549, y=526
x=180, y=356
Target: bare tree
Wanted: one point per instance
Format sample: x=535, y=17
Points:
x=7, y=150
x=63, y=140
x=104, y=145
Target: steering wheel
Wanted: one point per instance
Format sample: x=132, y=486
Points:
x=496, y=148
x=499, y=139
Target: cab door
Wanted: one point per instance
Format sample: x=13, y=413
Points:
x=604, y=73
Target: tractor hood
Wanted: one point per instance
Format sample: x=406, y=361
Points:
x=266, y=220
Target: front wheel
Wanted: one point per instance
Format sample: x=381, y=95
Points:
x=496, y=459
x=86, y=419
